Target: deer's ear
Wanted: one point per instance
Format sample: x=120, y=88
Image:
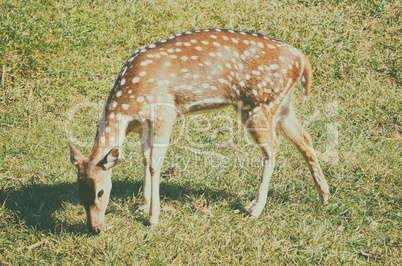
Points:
x=111, y=159
x=75, y=156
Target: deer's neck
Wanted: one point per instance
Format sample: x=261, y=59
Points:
x=111, y=132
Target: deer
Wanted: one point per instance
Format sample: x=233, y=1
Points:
x=189, y=73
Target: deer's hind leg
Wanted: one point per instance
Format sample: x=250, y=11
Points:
x=261, y=128
x=294, y=132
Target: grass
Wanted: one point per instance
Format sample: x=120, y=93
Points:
x=61, y=59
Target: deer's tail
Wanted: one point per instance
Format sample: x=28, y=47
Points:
x=306, y=77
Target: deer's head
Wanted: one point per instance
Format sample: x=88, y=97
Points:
x=94, y=184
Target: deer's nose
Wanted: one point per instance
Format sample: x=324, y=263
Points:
x=96, y=229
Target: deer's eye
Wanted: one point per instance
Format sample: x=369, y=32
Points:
x=100, y=193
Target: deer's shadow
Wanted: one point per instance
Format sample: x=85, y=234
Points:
x=37, y=205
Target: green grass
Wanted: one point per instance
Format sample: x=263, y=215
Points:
x=59, y=55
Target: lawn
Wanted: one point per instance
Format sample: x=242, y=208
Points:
x=60, y=59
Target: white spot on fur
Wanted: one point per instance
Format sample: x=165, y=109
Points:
x=122, y=82
x=140, y=99
x=136, y=79
x=146, y=62
x=125, y=106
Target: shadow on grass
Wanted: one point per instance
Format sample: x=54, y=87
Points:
x=36, y=204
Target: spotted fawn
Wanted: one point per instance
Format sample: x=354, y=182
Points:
x=194, y=72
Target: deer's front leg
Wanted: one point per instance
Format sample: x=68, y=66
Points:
x=145, y=140
x=160, y=135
